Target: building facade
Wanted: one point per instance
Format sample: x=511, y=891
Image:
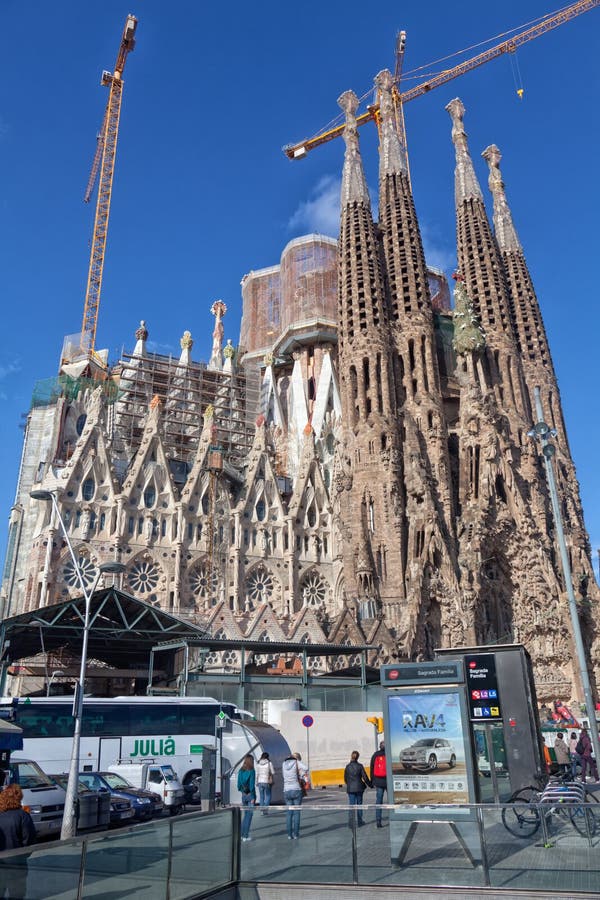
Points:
x=358, y=469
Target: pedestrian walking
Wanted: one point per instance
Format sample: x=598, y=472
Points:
x=16, y=830
x=561, y=751
x=264, y=780
x=575, y=760
x=356, y=780
x=246, y=782
x=585, y=749
x=379, y=780
x=294, y=774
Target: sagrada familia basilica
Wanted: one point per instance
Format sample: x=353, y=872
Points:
x=358, y=469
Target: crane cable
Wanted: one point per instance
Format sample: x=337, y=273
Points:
x=418, y=73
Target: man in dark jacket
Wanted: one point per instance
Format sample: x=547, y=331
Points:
x=16, y=830
x=356, y=780
x=379, y=780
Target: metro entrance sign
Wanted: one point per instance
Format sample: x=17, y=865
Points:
x=482, y=687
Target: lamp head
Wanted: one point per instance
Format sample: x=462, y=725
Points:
x=112, y=568
x=40, y=495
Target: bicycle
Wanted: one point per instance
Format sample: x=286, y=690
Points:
x=559, y=796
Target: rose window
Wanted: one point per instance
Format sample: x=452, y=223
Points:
x=87, y=569
x=314, y=589
x=260, y=586
x=200, y=582
x=143, y=576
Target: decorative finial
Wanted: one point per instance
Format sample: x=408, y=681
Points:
x=354, y=185
x=218, y=309
x=209, y=412
x=466, y=186
x=141, y=333
x=504, y=228
x=469, y=336
x=229, y=351
x=391, y=156
x=186, y=342
x=268, y=359
x=155, y=402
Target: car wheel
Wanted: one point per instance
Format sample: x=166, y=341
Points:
x=432, y=762
x=452, y=762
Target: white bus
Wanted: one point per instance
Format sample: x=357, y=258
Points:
x=169, y=730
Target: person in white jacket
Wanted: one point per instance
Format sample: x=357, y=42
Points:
x=264, y=780
x=294, y=773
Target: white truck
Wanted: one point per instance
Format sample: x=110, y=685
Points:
x=153, y=776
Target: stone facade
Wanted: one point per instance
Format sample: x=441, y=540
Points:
x=365, y=475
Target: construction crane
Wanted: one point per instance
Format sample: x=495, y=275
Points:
x=104, y=163
x=547, y=23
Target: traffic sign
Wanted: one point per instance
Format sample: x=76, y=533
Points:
x=307, y=721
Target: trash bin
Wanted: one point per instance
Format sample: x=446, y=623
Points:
x=104, y=808
x=87, y=810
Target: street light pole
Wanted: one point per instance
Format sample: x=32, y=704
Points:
x=69, y=823
x=543, y=431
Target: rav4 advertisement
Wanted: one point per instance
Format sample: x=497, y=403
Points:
x=427, y=748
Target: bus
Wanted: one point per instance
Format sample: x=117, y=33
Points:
x=168, y=730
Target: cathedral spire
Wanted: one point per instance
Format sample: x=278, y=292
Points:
x=354, y=185
x=391, y=156
x=504, y=229
x=466, y=186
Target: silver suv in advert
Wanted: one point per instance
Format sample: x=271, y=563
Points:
x=428, y=754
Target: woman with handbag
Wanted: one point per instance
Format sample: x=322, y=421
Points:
x=264, y=779
x=295, y=776
x=246, y=782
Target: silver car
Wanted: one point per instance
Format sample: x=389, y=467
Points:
x=428, y=754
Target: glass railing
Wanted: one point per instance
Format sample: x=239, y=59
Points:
x=509, y=848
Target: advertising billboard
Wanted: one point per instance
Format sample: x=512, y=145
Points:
x=428, y=746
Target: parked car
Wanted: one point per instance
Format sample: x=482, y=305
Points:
x=118, y=783
x=428, y=753
x=123, y=806
x=155, y=776
x=43, y=799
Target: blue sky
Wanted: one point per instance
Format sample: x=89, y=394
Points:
x=203, y=193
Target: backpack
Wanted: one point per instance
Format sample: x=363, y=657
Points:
x=379, y=767
x=579, y=747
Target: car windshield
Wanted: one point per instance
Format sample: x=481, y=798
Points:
x=423, y=743
x=168, y=773
x=29, y=775
x=115, y=781
x=94, y=781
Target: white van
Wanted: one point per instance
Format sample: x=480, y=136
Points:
x=151, y=776
x=42, y=798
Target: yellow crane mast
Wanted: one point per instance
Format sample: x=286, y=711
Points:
x=104, y=163
x=547, y=23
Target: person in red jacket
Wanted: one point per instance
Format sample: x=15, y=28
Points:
x=379, y=780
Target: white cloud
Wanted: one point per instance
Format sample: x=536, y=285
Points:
x=321, y=212
x=10, y=368
x=438, y=252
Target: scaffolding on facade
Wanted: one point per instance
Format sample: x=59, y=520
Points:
x=185, y=393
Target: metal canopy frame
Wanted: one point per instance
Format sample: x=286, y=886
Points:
x=301, y=650
x=123, y=630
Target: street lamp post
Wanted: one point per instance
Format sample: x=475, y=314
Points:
x=69, y=825
x=58, y=673
x=543, y=431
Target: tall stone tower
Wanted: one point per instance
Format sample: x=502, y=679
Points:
x=371, y=499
